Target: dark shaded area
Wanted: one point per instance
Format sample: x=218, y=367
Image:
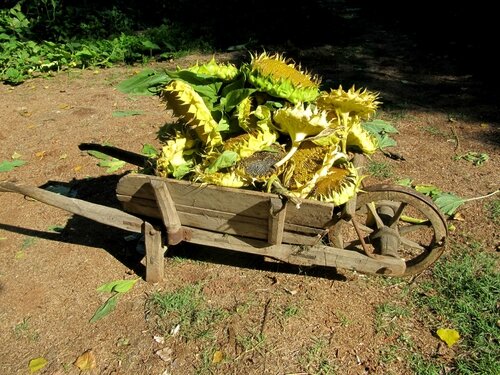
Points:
x=425, y=54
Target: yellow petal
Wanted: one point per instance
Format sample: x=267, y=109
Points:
x=449, y=336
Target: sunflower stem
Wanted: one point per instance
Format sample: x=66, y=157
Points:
x=288, y=156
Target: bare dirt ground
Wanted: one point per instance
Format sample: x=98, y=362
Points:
x=272, y=319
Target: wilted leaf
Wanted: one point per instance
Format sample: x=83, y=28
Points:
x=113, y=165
x=405, y=182
x=126, y=113
x=41, y=154
x=6, y=165
x=36, y=364
x=448, y=203
x=218, y=357
x=449, y=336
x=105, y=308
x=86, y=361
x=119, y=286
x=379, y=126
x=55, y=228
x=3, y=238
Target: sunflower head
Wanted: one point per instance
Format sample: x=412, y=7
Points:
x=338, y=186
x=358, y=139
x=360, y=103
x=188, y=105
x=281, y=78
x=225, y=72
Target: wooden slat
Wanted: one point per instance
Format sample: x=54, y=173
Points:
x=241, y=201
x=166, y=206
x=276, y=221
x=226, y=223
x=314, y=255
x=96, y=212
x=154, y=254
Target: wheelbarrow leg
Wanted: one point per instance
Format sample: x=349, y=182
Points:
x=154, y=254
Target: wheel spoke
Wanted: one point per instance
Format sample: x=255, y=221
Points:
x=412, y=244
x=412, y=228
x=373, y=211
x=397, y=215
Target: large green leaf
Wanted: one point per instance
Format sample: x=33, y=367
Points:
x=378, y=126
x=106, y=161
x=119, y=286
x=106, y=308
x=146, y=82
x=233, y=98
x=6, y=165
x=448, y=203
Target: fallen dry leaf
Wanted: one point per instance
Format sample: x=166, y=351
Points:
x=165, y=354
x=218, y=357
x=86, y=361
x=41, y=154
x=36, y=364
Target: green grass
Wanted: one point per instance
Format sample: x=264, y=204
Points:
x=435, y=131
x=493, y=209
x=380, y=169
x=387, y=316
x=463, y=295
x=315, y=360
x=186, y=307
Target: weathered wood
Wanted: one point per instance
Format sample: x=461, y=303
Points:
x=102, y=214
x=154, y=254
x=303, y=255
x=276, y=222
x=229, y=223
x=239, y=201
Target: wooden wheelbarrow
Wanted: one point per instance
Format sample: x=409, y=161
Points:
x=386, y=230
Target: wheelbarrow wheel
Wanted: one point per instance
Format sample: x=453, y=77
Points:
x=394, y=221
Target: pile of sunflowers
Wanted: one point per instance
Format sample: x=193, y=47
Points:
x=266, y=125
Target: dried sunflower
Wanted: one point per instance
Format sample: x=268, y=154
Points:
x=281, y=78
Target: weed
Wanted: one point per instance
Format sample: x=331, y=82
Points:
x=435, y=131
x=476, y=158
x=251, y=342
x=386, y=316
x=494, y=211
x=380, y=169
x=463, y=294
x=23, y=329
x=290, y=311
x=422, y=366
x=186, y=307
x=314, y=359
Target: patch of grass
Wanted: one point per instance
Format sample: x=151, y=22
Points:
x=24, y=330
x=493, y=209
x=421, y=366
x=290, y=311
x=435, y=131
x=186, y=307
x=380, y=169
x=463, y=295
x=315, y=360
x=387, y=315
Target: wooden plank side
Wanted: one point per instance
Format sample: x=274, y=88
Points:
x=241, y=201
x=314, y=255
x=154, y=254
x=226, y=223
x=276, y=222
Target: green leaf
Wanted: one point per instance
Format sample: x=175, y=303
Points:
x=385, y=141
x=119, y=286
x=405, y=182
x=225, y=160
x=126, y=113
x=55, y=228
x=448, y=203
x=192, y=78
x=106, y=308
x=113, y=165
x=7, y=165
x=146, y=82
x=36, y=364
x=233, y=98
x=429, y=190
x=149, y=150
x=379, y=126
x=107, y=161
